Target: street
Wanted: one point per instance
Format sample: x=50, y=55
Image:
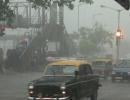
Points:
x=13, y=86
x=114, y=91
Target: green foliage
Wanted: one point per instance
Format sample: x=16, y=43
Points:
x=48, y=3
x=74, y=36
x=6, y=14
x=93, y=40
x=87, y=1
x=2, y=32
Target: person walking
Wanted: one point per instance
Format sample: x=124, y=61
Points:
x=1, y=60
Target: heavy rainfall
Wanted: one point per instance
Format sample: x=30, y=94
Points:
x=37, y=36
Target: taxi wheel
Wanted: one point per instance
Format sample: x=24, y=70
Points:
x=113, y=79
x=105, y=77
x=94, y=96
x=128, y=80
x=122, y=80
x=73, y=98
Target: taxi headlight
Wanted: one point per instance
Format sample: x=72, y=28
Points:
x=31, y=87
x=63, y=92
x=63, y=87
x=31, y=92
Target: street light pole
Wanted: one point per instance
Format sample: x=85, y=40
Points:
x=118, y=33
x=78, y=18
x=78, y=15
x=118, y=39
x=117, y=10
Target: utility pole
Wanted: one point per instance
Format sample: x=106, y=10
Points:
x=30, y=13
x=118, y=37
x=16, y=14
x=53, y=13
x=43, y=17
x=78, y=15
x=27, y=19
x=118, y=32
x=39, y=17
x=61, y=15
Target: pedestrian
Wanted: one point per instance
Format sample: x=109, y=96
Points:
x=1, y=60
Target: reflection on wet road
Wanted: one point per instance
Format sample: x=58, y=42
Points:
x=13, y=86
x=114, y=91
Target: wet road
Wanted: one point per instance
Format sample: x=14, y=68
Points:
x=114, y=91
x=13, y=86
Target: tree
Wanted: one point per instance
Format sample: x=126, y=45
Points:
x=93, y=40
x=6, y=14
x=48, y=3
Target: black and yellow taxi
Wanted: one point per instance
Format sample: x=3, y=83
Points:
x=66, y=79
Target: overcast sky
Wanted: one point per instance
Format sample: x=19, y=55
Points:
x=89, y=14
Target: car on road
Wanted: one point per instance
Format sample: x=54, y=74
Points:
x=121, y=71
x=65, y=80
x=102, y=67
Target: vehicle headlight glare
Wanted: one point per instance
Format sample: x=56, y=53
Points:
x=62, y=87
x=63, y=92
x=31, y=92
x=31, y=87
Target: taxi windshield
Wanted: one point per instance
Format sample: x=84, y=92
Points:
x=99, y=63
x=60, y=70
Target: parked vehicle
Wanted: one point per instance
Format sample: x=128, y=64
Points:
x=102, y=67
x=65, y=80
x=121, y=71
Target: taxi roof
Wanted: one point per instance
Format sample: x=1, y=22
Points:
x=102, y=59
x=76, y=63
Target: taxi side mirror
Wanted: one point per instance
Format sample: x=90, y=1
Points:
x=76, y=73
